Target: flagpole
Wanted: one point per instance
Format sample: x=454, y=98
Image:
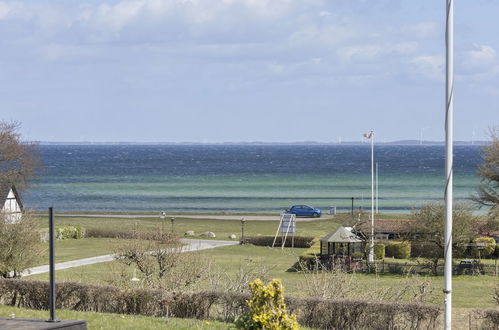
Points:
x=371, y=248
x=449, y=103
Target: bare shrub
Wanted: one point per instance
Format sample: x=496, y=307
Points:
x=359, y=314
x=324, y=283
x=20, y=246
x=160, y=260
x=221, y=280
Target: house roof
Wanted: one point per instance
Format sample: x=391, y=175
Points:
x=386, y=226
x=342, y=235
x=4, y=192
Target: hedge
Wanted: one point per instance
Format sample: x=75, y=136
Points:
x=300, y=241
x=127, y=234
x=398, y=250
x=316, y=313
x=425, y=250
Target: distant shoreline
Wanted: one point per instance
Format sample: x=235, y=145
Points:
x=258, y=143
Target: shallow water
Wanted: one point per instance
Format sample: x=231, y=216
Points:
x=245, y=178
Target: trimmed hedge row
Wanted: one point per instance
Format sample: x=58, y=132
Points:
x=299, y=241
x=317, y=313
x=127, y=234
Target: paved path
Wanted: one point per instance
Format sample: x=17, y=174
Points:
x=191, y=245
x=193, y=216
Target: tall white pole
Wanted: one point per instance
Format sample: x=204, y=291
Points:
x=449, y=104
x=376, y=187
x=371, y=247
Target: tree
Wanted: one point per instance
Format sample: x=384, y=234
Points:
x=428, y=227
x=159, y=258
x=20, y=246
x=19, y=160
x=488, y=191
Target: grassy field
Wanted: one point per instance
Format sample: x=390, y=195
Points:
x=222, y=228
x=469, y=291
x=72, y=249
x=107, y=321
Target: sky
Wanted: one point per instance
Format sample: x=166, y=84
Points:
x=245, y=70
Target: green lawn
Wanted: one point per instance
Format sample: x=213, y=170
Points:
x=222, y=228
x=72, y=249
x=115, y=321
x=469, y=291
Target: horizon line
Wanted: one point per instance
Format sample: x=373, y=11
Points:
x=395, y=142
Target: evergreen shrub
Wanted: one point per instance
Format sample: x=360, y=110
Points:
x=398, y=250
x=379, y=251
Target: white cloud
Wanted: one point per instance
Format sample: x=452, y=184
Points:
x=371, y=52
x=424, y=30
x=482, y=56
x=5, y=9
x=360, y=53
x=431, y=66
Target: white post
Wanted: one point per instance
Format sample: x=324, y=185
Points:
x=371, y=247
x=376, y=187
x=449, y=104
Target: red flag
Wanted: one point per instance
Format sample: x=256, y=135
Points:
x=369, y=135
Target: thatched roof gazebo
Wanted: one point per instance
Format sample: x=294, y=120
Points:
x=342, y=242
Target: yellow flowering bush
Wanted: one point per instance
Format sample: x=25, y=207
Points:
x=267, y=308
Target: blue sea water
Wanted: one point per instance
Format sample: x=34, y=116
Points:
x=245, y=178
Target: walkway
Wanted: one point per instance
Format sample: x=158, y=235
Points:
x=238, y=217
x=191, y=245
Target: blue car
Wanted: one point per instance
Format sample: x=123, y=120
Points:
x=304, y=211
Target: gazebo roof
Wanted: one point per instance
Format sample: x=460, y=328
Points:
x=342, y=235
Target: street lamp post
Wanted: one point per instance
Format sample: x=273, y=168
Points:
x=242, y=230
x=162, y=216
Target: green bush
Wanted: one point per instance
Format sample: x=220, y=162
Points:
x=359, y=255
x=300, y=241
x=307, y=261
x=425, y=250
x=488, y=248
x=69, y=232
x=379, y=251
x=398, y=250
x=267, y=308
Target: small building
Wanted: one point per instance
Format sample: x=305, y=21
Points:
x=10, y=203
x=386, y=229
x=342, y=242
